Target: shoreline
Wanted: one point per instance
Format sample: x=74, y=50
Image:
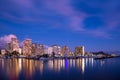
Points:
x=52, y=58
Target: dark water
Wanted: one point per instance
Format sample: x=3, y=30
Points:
x=72, y=69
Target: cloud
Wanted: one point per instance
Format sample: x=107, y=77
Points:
x=99, y=33
x=6, y=39
x=64, y=14
x=43, y=12
x=107, y=10
x=65, y=9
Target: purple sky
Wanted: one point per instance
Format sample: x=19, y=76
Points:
x=92, y=23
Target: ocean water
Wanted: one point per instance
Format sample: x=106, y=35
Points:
x=60, y=69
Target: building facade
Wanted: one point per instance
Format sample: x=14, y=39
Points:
x=3, y=51
x=55, y=49
x=27, y=47
x=34, y=48
x=79, y=50
x=13, y=45
x=65, y=51
x=8, y=48
x=20, y=51
x=40, y=49
x=50, y=50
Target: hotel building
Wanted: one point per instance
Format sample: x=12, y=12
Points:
x=79, y=50
x=50, y=50
x=65, y=51
x=27, y=47
x=34, y=48
x=3, y=51
x=40, y=49
x=13, y=45
x=55, y=49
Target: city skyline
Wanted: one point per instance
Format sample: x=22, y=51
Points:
x=28, y=48
x=94, y=24
x=8, y=39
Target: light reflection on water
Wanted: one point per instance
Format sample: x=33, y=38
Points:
x=13, y=68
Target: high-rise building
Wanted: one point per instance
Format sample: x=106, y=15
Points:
x=8, y=48
x=59, y=50
x=20, y=51
x=45, y=49
x=65, y=51
x=34, y=48
x=14, y=44
x=27, y=47
x=50, y=50
x=3, y=51
x=55, y=49
x=79, y=50
x=40, y=49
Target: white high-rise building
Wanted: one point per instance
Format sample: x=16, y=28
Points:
x=20, y=51
x=3, y=51
x=83, y=51
x=55, y=49
x=59, y=50
x=45, y=49
x=50, y=50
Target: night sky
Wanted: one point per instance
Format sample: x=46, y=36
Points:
x=92, y=23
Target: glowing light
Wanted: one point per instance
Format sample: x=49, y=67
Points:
x=83, y=66
x=20, y=64
x=41, y=67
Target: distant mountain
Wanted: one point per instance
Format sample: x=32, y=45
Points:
x=100, y=52
x=106, y=52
